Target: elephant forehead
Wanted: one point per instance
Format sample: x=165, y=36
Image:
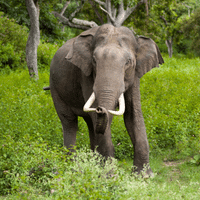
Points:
x=106, y=29
x=108, y=34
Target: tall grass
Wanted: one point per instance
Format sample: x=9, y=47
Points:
x=171, y=105
x=32, y=160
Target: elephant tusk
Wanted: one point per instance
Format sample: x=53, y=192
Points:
x=87, y=105
x=121, y=106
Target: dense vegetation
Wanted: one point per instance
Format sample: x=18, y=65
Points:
x=13, y=38
x=31, y=142
x=32, y=158
x=177, y=20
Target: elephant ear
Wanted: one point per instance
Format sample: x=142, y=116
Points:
x=80, y=53
x=148, y=56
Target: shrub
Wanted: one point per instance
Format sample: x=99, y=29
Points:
x=30, y=163
x=195, y=160
x=13, y=39
x=170, y=104
x=38, y=172
x=191, y=29
x=32, y=160
x=36, y=169
x=46, y=51
x=27, y=109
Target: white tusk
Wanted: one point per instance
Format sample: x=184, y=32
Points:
x=88, y=104
x=121, y=106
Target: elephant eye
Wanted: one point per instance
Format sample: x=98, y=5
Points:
x=128, y=61
x=93, y=60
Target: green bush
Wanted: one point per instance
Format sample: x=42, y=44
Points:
x=191, y=30
x=170, y=103
x=195, y=160
x=46, y=51
x=38, y=172
x=31, y=141
x=13, y=39
x=27, y=109
x=34, y=171
x=27, y=163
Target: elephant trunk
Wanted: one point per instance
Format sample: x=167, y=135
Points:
x=102, y=114
x=91, y=100
x=101, y=120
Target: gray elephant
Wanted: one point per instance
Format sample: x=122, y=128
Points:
x=93, y=74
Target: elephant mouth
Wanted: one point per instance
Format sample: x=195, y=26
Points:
x=91, y=100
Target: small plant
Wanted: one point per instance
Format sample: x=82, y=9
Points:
x=195, y=160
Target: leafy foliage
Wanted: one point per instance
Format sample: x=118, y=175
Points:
x=192, y=31
x=45, y=174
x=170, y=108
x=13, y=39
x=195, y=160
x=46, y=51
x=51, y=30
x=166, y=20
x=32, y=158
x=172, y=114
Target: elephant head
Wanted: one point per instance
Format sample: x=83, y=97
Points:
x=113, y=56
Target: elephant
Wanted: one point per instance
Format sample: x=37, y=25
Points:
x=94, y=74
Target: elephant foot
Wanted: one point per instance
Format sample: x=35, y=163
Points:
x=144, y=172
x=147, y=175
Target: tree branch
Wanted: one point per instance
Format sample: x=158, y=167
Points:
x=110, y=19
x=146, y=6
x=109, y=14
x=76, y=23
x=114, y=12
x=124, y=14
x=77, y=10
x=121, y=15
x=64, y=7
x=165, y=21
x=100, y=3
x=96, y=12
x=130, y=10
x=84, y=22
x=121, y=7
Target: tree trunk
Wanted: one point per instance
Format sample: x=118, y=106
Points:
x=169, y=46
x=33, y=38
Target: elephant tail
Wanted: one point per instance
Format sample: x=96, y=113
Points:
x=46, y=88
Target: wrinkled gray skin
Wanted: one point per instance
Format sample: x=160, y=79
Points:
x=108, y=61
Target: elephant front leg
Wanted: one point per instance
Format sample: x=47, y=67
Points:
x=69, y=132
x=69, y=122
x=134, y=122
x=90, y=125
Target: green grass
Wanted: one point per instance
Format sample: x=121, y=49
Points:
x=85, y=178
x=32, y=159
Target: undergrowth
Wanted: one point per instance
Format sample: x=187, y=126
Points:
x=32, y=158
x=46, y=174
